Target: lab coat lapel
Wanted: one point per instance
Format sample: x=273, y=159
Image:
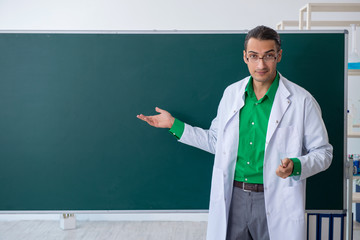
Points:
x=238, y=102
x=280, y=105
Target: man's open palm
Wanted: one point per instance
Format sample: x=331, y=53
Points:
x=162, y=120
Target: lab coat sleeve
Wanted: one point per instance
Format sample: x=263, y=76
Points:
x=318, y=151
x=201, y=138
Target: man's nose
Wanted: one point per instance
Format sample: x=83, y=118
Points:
x=261, y=62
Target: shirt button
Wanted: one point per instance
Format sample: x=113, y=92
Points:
x=297, y=173
x=248, y=162
x=250, y=143
x=245, y=179
x=174, y=134
x=252, y=123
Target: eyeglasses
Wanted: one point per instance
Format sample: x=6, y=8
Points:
x=268, y=58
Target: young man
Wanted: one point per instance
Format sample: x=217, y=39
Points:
x=268, y=137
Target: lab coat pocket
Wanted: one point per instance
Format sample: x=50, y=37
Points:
x=217, y=185
x=287, y=140
x=295, y=201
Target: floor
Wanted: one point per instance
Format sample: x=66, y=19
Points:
x=89, y=230
x=50, y=230
x=356, y=229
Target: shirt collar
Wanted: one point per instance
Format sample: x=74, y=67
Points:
x=249, y=90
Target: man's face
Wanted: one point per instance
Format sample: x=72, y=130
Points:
x=262, y=70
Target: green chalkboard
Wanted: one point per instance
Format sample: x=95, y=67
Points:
x=70, y=139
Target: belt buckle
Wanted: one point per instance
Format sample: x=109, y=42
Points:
x=243, y=188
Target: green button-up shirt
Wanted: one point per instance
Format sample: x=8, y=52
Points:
x=253, y=121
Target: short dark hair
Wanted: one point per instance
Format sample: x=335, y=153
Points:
x=263, y=33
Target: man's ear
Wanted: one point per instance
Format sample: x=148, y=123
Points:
x=279, y=56
x=244, y=56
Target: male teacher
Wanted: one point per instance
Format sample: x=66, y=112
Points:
x=268, y=137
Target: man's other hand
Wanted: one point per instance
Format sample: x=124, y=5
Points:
x=286, y=168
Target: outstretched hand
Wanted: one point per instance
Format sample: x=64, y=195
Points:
x=162, y=120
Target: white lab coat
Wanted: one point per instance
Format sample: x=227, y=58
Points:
x=295, y=129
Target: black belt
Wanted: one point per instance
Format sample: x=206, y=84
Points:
x=253, y=187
